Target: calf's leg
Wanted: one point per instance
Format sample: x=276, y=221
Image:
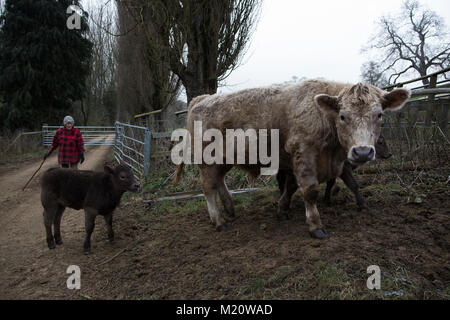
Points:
x=352, y=184
x=89, y=221
x=49, y=216
x=108, y=221
x=57, y=224
x=330, y=184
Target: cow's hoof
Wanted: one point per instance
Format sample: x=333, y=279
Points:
x=51, y=246
x=87, y=251
x=223, y=227
x=59, y=242
x=319, y=234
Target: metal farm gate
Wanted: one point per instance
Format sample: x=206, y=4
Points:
x=92, y=136
x=131, y=143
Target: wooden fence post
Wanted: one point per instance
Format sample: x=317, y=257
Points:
x=431, y=109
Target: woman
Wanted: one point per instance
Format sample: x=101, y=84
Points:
x=70, y=143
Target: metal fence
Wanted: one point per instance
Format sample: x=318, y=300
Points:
x=132, y=146
x=92, y=136
x=131, y=143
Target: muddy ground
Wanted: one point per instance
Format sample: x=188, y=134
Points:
x=169, y=250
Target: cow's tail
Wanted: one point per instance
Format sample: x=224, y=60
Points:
x=178, y=173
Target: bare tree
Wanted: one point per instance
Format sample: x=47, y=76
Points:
x=203, y=40
x=98, y=105
x=414, y=40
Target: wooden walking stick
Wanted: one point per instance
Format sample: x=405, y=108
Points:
x=34, y=174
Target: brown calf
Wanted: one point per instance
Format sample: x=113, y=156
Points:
x=98, y=193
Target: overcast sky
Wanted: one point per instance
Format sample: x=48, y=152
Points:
x=312, y=39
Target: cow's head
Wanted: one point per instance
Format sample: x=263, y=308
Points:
x=357, y=112
x=123, y=177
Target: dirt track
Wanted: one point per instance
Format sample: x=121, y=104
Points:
x=26, y=264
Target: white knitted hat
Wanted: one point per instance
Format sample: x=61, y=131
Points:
x=68, y=119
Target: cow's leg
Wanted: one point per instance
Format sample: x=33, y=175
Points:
x=305, y=174
x=330, y=184
x=281, y=179
x=224, y=194
x=89, y=221
x=57, y=224
x=310, y=195
x=290, y=186
x=108, y=221
x=226, y=199
x=209, y=177
x=49, y=217
x=352, y=184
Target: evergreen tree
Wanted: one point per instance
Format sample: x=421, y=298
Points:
x=371, y=73
x=43, y=63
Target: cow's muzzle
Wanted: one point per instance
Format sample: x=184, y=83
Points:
x=362, y=154
x=135, y=187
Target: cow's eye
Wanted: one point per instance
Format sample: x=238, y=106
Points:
x=122, y=177
x=342, y=118
x=379, y=116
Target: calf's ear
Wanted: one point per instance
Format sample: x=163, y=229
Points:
x=395, y=100
x=327, y=103
x=108, y=169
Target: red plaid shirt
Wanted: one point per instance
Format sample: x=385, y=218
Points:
x=70, y=143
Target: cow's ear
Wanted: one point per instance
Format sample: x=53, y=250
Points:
x=108, y=169
x=395, y=100
x=327, y=103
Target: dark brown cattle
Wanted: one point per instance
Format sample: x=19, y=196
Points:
x=98, y=193
x=382, y=152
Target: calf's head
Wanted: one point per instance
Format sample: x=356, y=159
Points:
x=123, y=177
x=357, y=113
